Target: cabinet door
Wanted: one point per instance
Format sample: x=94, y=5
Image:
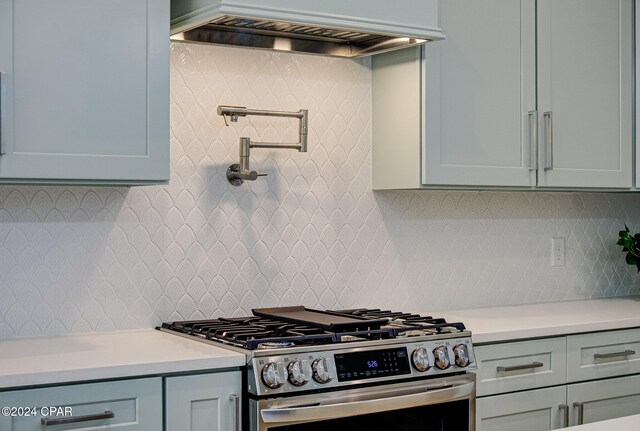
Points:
x=637, y=95
x=480, y=85
x=86, y=91
x=604, y=399
x=134, y=405
x=538, y=410
x=585, y=85
x=205, y=402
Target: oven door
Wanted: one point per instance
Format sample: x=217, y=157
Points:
x=446, y=404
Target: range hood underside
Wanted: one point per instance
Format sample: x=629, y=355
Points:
x=284, y=36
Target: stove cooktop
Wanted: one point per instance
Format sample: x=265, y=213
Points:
x=292, y=350
x=254, y=332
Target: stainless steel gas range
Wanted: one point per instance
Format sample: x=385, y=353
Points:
x=349, y=369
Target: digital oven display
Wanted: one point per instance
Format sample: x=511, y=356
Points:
x=372, y=364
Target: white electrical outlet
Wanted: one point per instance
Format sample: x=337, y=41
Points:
x=557, y=251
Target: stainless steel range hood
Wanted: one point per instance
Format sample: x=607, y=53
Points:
x=342, y=28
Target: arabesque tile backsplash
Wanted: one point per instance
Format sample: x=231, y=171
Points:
x=76, y=259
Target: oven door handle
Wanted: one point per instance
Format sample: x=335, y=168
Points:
x=346, y=409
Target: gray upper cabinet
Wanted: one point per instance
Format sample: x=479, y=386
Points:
x=86, y=91
x=480, y=83
x=585, y=98
x=637, y=94
x=520, y=94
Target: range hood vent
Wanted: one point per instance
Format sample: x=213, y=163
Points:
x=308, y=31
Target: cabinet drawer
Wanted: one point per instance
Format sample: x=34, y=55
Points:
x=519, y=366
x=136, y=405
x=603, y=354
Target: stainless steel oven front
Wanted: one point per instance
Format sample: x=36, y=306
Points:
x=439, y=404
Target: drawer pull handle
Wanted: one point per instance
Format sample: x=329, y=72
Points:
x=237, y=414
x=580, y=407
x=530, y=366
x=77, y=419
x=533, y=140
x=565, y=409
x=548, y=121
x=614, y=355
x=3, y=108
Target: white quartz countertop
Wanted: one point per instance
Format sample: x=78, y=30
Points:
x=547, y=319
x=627, y=423
x=94, y=356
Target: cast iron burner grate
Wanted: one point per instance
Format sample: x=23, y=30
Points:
x=259, y=332
x=403, y=323
x=250, y=332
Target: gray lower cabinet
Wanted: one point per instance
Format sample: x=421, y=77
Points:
x=127, y=405
x=603, y=354
x=522, y=365
x=536, y=410
x=550, y=383
x=604, y=399
x=85, y=91
x=203, y=402
x=557, y=407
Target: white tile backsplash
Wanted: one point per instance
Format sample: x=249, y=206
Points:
x=78, y=259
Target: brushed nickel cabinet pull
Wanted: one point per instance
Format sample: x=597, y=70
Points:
x=533, y=140
x=580, y=407
x=77, y=419
x=3, y=99
x=235, y=399
x=565, y=409
x=548, y=122
x=530, y=366
x=624, y=354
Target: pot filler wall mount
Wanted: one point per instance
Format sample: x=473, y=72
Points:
x=240, y=172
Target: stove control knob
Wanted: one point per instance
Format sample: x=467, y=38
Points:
x=461, y=353
x=420, y=359
x=442, y=357
x=299, y=372
x=321, y=370
x=274, y=374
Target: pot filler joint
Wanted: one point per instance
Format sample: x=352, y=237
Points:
x=239, y=172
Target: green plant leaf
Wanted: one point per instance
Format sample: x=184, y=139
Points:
x=631, y=246
x=631, y=259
